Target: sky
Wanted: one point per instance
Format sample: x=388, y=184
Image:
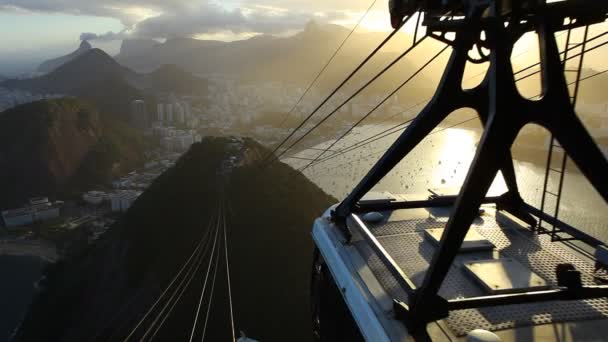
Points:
x=33, y=30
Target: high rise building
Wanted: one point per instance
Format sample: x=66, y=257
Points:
x=179, y=113
x=187, y=110
x=160, y=112
x=139, y=114
x=169, y=112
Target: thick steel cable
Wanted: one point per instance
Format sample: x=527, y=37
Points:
x=181, y=288
x=326, y=65
x=206, y=279
x=348, y=149
x=271, y=156
x=367, y=84
x=378, y=105
x=139, y=323
x=435, y=131
x=228, y=280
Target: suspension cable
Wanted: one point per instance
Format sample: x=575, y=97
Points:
x=378, y=106
x=160, y=297
x=352, y=147
x=326, y=65
x=217, y=259
x=373, y=138
x=181, y=288
x=228, y=280
x=206, y=278
x=367, y=84
x=271, y=156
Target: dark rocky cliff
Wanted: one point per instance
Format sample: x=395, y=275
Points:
x=104, y=292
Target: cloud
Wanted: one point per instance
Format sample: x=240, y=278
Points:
x=212, y=19
x=108, y=36
x=165, y=19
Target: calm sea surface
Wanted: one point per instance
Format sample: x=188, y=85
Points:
x=442, y=161
x=17, y=289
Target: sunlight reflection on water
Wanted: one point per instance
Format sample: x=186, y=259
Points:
x=441, y=161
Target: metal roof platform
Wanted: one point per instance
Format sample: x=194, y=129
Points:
x=519, y=261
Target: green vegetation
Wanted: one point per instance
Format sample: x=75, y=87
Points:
x=269, y=246
x=60, y=147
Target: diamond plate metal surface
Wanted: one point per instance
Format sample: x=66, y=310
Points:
x=405, y=242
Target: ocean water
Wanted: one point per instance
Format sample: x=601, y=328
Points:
x=441, y=161
x=18, y=275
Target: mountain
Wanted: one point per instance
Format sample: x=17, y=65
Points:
x=99, y=79
x=148, y=55
x=121, y=276
x=293, y=59
x=131, y=47
x=171, y=78
x=89, y=67
x=55, y=63
x=54, y=147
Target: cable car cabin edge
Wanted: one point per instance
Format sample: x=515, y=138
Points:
x=465, y=266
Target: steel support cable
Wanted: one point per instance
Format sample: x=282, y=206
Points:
x=475, y=117
x=364, y=141
x=367, y=84
x=371, y=138
x=166, y=289
x=282, y=153
x=179, y=297
x=378, y=105
x=271, y=155
x=565, y=50
x=217, y=259
x=435, y=131
x=228, y=280
x=180, y=289
x=573, y=47
x=393, y=130
x=407, y=110
x=198, y=309
x=515, y=73
x=326, y=65
x=567, y=59
x=211, y=294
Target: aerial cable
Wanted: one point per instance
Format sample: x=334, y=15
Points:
x=181, y=288
x=326, y=65
x=378, y=105
x=271, y=155
x=228, y=279
x=348, y=149
x=568, y=58
x=211, y=292
x=206, y=278
x=406, y=52
x=166, y=289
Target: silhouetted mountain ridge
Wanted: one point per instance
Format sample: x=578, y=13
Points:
x=91, y=66
x=98, y=78
x=55, y=63
x=123, y=274
x=62, y=145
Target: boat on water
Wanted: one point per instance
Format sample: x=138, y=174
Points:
x=462, y=265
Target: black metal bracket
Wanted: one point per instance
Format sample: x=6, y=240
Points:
x=503, y=112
